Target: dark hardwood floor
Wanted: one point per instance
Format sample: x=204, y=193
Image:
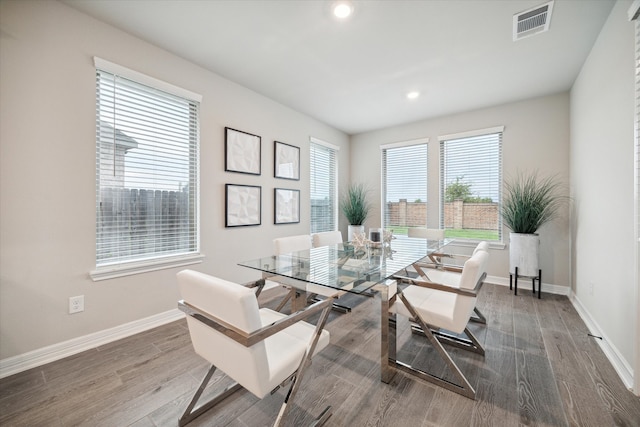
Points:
x=540, y=369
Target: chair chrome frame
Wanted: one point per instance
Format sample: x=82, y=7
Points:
x=436, y=337
x=249, y=339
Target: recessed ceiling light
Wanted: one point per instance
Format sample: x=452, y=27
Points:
x=413, y=95
x=342, y=9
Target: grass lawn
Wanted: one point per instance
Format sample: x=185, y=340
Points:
x=457, y=233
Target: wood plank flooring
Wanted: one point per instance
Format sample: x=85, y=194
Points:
x=540, y=369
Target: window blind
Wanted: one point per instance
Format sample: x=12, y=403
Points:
x=470, y=182
x=404, y=186
x=146, y=172
x=323, y=188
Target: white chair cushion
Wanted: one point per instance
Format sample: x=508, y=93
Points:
x=437, y=308
x=285, y=350
x=482, y=246
x=231, y=303
x=443, y=309
x=473, y=269
x=326, y=238
x=285, y=245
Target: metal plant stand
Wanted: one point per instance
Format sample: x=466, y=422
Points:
x=513, y=282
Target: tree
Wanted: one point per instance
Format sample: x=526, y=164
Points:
x=460, y=190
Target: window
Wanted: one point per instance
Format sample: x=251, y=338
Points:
x=470, y=182
x=323, y=186
x=146, y=171
x=404, y=185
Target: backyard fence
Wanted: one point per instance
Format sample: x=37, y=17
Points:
x=135, y=222
x=457, y=215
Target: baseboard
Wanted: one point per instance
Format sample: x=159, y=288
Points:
x=42, y=356
x=624, y=370
x=525, y=284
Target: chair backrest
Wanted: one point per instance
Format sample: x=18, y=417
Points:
x=285, y=245
x=237, y=306
x=426, y=233
x=482, y=246
x=473, y=269
x=326, y=238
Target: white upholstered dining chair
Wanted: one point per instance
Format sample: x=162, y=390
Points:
x=440, y=302
x=450, y=273
x=260, y=349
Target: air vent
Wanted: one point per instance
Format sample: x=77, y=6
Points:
x=532, y=21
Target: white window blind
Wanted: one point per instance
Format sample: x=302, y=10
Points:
x=470, y=182
x=404, y=186
x=323, y=187
x=146, y=172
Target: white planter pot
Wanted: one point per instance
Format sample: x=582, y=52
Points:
x=354, y=229
x=523, y=253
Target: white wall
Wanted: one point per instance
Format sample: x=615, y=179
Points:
x=602, y=184
x=47, y=174
x=536, y=137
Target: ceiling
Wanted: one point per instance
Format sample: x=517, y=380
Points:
x=354, y=74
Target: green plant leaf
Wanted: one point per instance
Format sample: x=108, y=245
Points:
x=529, y=202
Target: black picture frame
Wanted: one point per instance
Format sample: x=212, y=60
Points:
x=242, y=152
x=286, y=206
x=286, y=163
x=243, y=205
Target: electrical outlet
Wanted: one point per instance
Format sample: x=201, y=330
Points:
x=76, y=304
x=591, y=286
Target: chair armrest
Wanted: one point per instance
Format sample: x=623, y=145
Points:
x=249, y=339
x=447, y=267
x=442, y=287
x=255, y=284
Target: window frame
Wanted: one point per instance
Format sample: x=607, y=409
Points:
x=150, y=261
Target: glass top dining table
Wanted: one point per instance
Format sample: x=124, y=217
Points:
x=346, y=267
x=355, y=269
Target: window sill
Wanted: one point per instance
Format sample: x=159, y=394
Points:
x=473, y=243
x=129, y=269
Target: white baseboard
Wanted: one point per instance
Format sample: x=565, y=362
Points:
x=42, y=356
x=624, y=370
x=525, y=285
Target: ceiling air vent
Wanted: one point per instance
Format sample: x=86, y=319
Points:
x=532, y=21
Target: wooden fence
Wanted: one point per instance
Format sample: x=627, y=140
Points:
x=135, y=222
x=457, y=215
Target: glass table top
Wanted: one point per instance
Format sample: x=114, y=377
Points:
x=346, y=267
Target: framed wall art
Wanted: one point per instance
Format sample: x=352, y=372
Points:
x=287, y=161
x=243, y=205
x=286, y=206
x=242, y=152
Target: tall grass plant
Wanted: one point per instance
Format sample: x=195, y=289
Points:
x=530, y=201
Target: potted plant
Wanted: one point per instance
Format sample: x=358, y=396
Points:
x=528, y=202
x=355, y=207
